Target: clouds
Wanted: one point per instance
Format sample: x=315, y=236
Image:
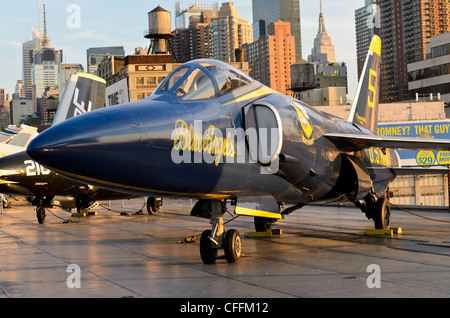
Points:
x=7, y=44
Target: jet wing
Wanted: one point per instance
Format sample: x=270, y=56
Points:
x=353, y=142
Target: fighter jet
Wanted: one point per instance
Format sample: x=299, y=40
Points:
x=22, y=176
x=16, y=140
x=212, y=133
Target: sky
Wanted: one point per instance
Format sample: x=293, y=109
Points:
x=76, y=25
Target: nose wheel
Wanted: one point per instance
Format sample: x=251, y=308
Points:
x=208, y=250
x=231, y=244
x=40, y=214
x=213, y=240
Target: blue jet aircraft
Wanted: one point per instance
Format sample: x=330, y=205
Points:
x=212, y=133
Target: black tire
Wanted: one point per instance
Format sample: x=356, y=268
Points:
x=208, y=253
x=382, y=214
x=40, y=214
x=152, y=208
x=232, y=246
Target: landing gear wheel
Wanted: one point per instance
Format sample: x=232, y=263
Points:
x=208, y=252
x=40, y=214
x=232, y=246
x=382, y=214
x=153, y=205
x=152, y=210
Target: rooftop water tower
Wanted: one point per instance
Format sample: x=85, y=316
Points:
x=159, y=31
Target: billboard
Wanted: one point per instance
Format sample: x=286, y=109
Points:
x=117, y=93
x=439, y=129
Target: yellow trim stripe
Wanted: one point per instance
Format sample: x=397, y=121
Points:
x=252, y=212
x=259, y=92
x=8, y=172
x=7, y=182
x=92, y=77
x=118, y=185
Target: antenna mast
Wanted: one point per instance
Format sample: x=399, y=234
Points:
x=45, y=27
x=39, y=16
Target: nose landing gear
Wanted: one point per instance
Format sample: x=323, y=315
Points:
x=217, y=238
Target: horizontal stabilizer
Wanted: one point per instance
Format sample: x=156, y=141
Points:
x=264, y=206
x=352, y=142
x=411, y=171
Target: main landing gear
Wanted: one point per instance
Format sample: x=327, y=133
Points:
x=83, y=203
x=153, y=205
x=378, y=209
x=213, y=240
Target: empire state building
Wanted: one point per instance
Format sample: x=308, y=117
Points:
x=323, y=51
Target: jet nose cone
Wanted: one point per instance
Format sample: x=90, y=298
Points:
x=78, y=147
x=48, y=141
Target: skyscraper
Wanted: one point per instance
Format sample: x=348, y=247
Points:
x=268, y=11
x=97, y=54
x=183, y=18
x=29, y=49
x=2, y=97
x=431, y=77
x=327, y=71
x=406, y=26
x=229, y=32
x=366, y=21
x=45, y=73
x=194, y=40
x=271, y=56
x=323, y=51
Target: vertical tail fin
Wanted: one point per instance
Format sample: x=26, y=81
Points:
x=23, y=137
x=364, y=110
x=83, y=93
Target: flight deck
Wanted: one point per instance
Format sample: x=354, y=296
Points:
x=123, y=252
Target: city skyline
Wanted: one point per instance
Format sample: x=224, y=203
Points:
x=99, y=25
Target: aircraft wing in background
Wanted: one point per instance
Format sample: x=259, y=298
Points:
x=352, y=142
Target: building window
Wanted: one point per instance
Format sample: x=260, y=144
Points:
x=139, y=81
x=150, y=81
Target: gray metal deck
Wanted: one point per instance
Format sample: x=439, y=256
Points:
x=322, y=252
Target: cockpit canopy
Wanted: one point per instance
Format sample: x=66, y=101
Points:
x=203, y=79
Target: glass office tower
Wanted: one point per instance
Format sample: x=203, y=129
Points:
x=268, y=11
